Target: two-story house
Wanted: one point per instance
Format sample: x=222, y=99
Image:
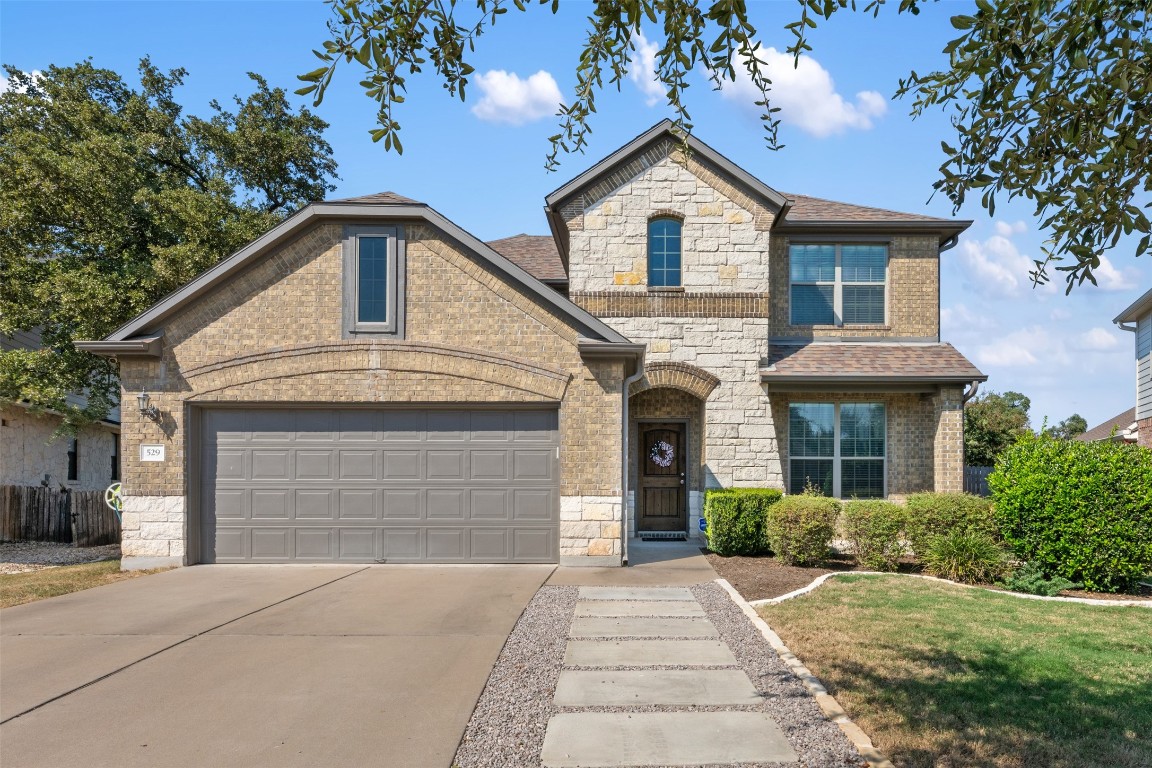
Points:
x=370, y=383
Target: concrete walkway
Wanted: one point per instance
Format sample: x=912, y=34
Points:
x=642, y=646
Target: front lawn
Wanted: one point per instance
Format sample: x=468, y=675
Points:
x=946, y=676
x=19, y=588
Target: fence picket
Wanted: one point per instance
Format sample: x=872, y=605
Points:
x=37, y=513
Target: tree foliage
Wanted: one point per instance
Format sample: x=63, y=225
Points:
x=1069, y=428
x=112, y=198
x=992, y=423
x=1049, y=98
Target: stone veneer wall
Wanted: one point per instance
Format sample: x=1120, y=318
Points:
x=273, y=335
x=31, y=449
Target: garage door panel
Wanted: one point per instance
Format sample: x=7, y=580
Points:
x=358, y=505
x=446, y=503
x=454, y=485
x=402, y=505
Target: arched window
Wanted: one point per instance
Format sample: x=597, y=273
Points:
x=664, y=253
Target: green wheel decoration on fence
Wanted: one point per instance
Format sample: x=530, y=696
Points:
x=114, y=500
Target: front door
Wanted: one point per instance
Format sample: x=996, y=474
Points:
x=660, y=492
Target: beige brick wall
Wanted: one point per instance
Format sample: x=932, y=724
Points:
x=925, y=445
x=273, y=335
x=913, y=293
x=1145, y=432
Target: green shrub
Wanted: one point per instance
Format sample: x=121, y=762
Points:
x=1082, y=511
x=936, y=514
x=735, y=518
x=970, y=557
x=875, y=530
x=800, y=528
x=1031, y=580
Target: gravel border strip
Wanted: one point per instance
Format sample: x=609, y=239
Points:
x=817, y=739
x=823, y=578
x=507, y=726
x=825, y=702
x=649, y=667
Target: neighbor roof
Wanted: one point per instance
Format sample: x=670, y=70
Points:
x=1120, y=422
x=385, y=206
x=535, y=254
x=1136, y=310
x=868, y=362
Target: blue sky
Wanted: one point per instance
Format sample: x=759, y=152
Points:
x=481, y=163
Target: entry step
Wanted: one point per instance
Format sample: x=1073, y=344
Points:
x=679, y=687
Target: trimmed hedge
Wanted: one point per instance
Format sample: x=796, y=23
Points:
x=875, y=530
x=736, y=518
x=1078, y=510
x=800, y=528
x=939, y=514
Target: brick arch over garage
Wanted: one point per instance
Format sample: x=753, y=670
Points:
x=681, y=376
x=392, y=369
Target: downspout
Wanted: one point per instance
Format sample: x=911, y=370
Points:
x=628, y=382
x=970, y=392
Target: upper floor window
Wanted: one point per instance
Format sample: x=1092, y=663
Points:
x=838, y=284
x=373, y=277
x=664, y=253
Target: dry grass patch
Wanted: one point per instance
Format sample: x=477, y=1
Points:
x=946, y=677
x=20, y=588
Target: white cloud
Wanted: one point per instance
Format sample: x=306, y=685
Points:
x=508, y=99
x=1024, y=348
x=996, y=267
x=5, y=82
x=643, y=71
x=1109, y=278
x=1060, y=314
x=1096, y=340
x=1006, y=229
x=960, y=319
x=807, y=97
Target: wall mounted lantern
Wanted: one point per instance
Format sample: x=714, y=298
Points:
x=146, y=407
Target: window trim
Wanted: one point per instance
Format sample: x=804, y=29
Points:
x=397, y=256
x=836, y=458
x=663, y=216
x=838, y=283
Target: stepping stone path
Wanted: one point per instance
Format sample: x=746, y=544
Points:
x=619, y=640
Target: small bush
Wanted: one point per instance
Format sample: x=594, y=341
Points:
x=1031, y=580
x=970, y=557
x=736, y=518
x=1082, y=511
x=800, y=528
x=936, y=514
x=875, y=528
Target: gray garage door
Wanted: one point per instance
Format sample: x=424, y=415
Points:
x=440, y=486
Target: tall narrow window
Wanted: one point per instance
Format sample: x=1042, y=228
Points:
x=837, y=448
x=838, y=284
x=372, y=280
x=115, y=457
x=664, y=261
x=74, y=461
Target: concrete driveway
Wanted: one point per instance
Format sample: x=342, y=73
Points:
x=257, y=666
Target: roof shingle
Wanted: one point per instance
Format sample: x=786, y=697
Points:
x=1120, y=421
x=899, y=362
x=805, y=208
x=535, y=254
x=379, y=198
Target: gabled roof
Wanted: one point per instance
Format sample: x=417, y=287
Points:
x=1120, y=422
x=1136, y=310
x=535, y=254
x=843, y=363
x=386, y=206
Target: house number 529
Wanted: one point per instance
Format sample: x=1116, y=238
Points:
x=151, y=453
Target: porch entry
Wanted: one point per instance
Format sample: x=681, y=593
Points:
x=660, y=490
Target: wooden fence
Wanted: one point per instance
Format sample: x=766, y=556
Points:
x=976, y=480
x=31, y=513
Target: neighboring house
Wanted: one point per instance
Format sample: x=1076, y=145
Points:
x=1121, y=428
x=33, y=452
x=368, y=382
x=1138, y=319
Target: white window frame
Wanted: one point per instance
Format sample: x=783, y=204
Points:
x=838, y=284
x=837, y=489
x=394, y=325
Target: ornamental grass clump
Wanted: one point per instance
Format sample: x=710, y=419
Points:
x=799, y=529
x=875, y=530
x=969, y=557
x=1082, y=511
x=736, y=517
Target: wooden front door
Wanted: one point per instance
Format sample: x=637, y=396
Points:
x=660, y=490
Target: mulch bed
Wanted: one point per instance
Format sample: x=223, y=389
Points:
x=762, y=578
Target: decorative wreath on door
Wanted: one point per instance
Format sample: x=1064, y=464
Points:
x=662, y=454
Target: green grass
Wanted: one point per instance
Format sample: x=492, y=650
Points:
x=945, y=676
x=20, y=588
